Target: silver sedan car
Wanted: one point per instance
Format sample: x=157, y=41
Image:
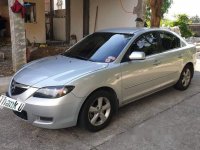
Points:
x=108, y=69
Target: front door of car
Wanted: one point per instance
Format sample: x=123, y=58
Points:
x=141, y=76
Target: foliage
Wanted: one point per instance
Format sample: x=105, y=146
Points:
x=182, y=22
x=148, y=23
x=166, y=5
x=147, y=12
x=195, y=19
x=163, y=23
x=167, y=23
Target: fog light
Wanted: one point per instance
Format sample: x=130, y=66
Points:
x=47, y=119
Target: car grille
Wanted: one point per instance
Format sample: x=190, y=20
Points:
x=17, y=88
x=22, y=114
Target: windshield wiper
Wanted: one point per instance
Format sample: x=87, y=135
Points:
x=83, y=58
x=76, y=56
x=80, y=57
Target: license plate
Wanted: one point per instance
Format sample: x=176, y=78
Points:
x=11, y=103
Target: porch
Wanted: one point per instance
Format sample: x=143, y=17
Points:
x=76, y=18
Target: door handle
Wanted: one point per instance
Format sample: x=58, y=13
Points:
x=156, y=63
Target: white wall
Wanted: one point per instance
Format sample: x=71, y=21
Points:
x=36, y=32
x=59, y=29
x=77, y=18
x=111, y=14
x=76, y=22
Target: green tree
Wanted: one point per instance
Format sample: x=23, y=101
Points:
x=155, y=10
x=167, y=23
x=182, y=22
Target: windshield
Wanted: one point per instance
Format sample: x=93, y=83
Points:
x=100, y=47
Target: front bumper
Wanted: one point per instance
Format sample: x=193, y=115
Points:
x=51, y=113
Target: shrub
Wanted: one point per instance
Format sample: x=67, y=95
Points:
x=182, y=22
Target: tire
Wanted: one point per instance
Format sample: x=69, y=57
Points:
x=185, y=78
x=97, y=111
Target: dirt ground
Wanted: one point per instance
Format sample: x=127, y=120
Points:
x=40, y=52
x=6, y=65
x=46, y=51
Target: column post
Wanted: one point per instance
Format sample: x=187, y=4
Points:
x=86, y=17
x=67, y=20
x=18, y=37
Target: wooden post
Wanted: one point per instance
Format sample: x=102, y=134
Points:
x=51, y=19
x=18, y=37
x=96, y=19
x=86, y=17
x=68, y=20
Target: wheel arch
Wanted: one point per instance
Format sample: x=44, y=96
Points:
x=191, y=65
x=105, y=88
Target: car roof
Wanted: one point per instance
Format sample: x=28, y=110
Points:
x=122, y=30
x=130, y=30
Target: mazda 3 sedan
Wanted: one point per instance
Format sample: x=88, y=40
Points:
x=108, y=69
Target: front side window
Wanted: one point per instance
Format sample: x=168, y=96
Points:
x=100, y=47
x=147, y=43
x=169, y=41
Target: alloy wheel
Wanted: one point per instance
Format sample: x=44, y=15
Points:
x=99, y=111
x=186, y=77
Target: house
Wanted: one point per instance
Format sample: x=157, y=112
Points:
x=195, y=27
x=101, y=14
x=59, y=19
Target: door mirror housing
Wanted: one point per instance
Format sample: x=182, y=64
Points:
x=137, y=56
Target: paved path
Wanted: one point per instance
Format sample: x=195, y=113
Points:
x=168, y=120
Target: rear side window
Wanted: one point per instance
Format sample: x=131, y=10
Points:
x=169, y=41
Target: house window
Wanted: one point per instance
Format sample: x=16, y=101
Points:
x=30, y=15
x=59, y=4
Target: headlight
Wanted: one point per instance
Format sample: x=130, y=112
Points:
x=53, y=91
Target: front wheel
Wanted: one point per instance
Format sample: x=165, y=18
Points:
x=97, y=112
x=185, y=79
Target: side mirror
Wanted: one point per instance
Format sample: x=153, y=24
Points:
x=137, y=56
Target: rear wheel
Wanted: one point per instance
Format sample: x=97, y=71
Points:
x=97, y=112
x=185, y=78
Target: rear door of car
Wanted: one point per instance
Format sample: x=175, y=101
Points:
x=171, y=57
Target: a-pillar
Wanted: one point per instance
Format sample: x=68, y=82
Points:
x=18, y=38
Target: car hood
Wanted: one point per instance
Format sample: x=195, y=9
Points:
x=55, y=70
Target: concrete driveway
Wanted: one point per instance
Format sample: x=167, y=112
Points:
x=168, y=120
